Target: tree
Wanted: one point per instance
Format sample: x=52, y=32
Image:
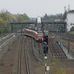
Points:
x=2, y=22
x=7, y=17
x=72, y=29
x=21, y=17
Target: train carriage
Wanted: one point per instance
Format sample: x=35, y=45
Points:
x=31, y=33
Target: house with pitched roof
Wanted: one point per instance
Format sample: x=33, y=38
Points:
x=70, y=19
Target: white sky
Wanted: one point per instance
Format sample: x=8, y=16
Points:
x=35, y=8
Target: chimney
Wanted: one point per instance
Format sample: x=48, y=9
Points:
x=68, y=7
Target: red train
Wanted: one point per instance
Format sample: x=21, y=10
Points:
x=31, y=33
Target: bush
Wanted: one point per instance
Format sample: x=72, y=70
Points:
x=3, y=31
x=72, y=29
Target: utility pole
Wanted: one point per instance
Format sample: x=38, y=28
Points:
x=11, y=28
x=68, y=45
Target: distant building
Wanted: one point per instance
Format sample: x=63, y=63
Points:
x=54, y=27
x=70, y=19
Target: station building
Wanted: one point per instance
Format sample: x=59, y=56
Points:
x=70, y=19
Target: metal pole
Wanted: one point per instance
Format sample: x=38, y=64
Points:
x=68, y=45
x=11, y=28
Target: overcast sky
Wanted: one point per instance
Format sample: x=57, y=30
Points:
x=35, y=8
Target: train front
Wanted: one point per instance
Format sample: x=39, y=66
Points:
x=40, y=36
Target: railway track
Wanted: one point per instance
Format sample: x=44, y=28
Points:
x=7, y=59
x=56, y=50
x=33, y=65
x=15, y=60
x=19, y=59
x=23, y=62
x=27, y=60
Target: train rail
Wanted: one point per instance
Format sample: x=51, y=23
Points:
x=27, y=61
x=7, y=59
x=56, y=50
x=23, y=62
x=15, y=60
x=18, y=59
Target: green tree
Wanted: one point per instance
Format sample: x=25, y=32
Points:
x=2, y=22
x=72, y=29
x=21, y=17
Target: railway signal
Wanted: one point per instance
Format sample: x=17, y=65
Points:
x=45, y=48
x=45, y=39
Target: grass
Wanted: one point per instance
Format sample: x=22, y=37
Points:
x=58, y=67
x=3, y=30
x=72, y=32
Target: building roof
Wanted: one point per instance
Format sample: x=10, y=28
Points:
x=67, y=12
x=53, y=18
x=71, y=11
